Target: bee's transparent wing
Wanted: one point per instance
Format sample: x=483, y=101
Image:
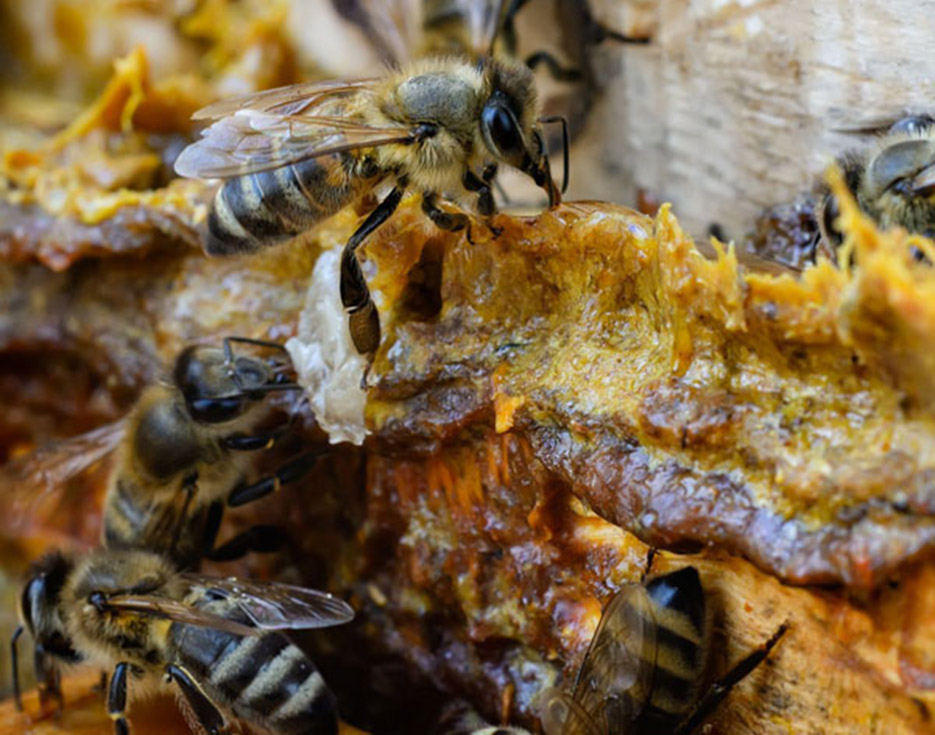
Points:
x=177, y=611
x=615, y=677
x=393, y=27
x=559, y=714
x=483, y=19
x=288, y=100
x=271, y=129
x=274, y=606
x=398, y=28
x=28, y=481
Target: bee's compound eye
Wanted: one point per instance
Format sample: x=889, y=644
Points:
x=502, y=130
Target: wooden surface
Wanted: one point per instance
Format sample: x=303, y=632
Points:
x=733, y=106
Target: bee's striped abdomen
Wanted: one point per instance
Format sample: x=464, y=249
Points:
x=682, y=637
x=264, y=680
x=269, y=207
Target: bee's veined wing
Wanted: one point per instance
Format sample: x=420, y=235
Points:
x=559, y=714
x=291, y=99
x=27, y=481
x=615, y=677
x=282, y=126
x=177, y=611
x=275, y=606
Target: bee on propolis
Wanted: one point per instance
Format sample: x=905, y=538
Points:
x=291, y=157
x=180, y=457
x=645, y=669
x=219, y=641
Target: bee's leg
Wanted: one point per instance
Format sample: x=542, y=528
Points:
x=556, y=70
x=485, y=201
x=247, y=443
x=254, y=442
x=243, y=494
x=205, y=711
x=259, y=539
x=722, y=687
x=189, y=487
x=211, y=528
x=49, y=681
x=229, y=352
x=450, y=221
x=355, y=295
x=101, y=686
x=14, y=662
x=117, y=698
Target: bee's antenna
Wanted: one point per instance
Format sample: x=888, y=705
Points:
x=565, y=156
x=14, y=660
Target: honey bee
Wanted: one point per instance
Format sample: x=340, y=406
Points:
x=179, y=457
x=893, y=180
x=644, y=669
x=580, y=33
x=294, y=156
x=217, y=640
x=401, y=30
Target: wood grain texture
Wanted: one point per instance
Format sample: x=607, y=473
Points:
x=734, y=105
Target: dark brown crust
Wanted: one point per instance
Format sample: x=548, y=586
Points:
x=675, y=457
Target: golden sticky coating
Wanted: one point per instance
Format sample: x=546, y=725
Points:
x=690, y=400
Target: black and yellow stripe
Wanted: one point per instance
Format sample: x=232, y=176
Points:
x=270, y=207
x=682, y=638
x=264, y=680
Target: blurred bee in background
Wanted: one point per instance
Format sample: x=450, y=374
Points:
x=217, y=640
x=580, y=33
x=892, y=180
x=296, y=155
x=179, y=458
x=644, y=669
x=402, y=30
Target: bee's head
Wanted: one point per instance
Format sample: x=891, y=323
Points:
x=508, y=122
x=40, y=609
x=218, y=386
